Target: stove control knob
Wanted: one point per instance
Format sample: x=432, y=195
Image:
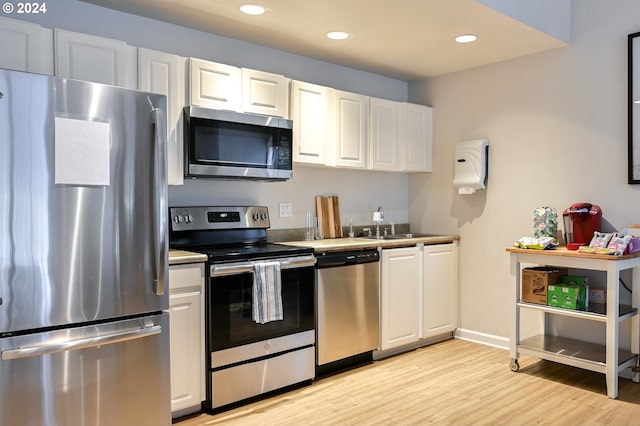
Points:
x=263, y=216
x=256, y=217
x=188, y=218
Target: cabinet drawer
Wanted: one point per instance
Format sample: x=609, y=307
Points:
x=186, y=276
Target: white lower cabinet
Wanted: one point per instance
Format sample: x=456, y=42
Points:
x=400, y=297
x=419, y=296
x=439, y=289
x=186, y=300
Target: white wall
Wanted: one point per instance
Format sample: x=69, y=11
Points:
x=360, y=192
x=556, y=122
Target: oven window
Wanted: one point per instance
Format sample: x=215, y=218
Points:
x=230, y=309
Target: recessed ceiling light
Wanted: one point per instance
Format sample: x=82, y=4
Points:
x=337, y=35
x=252, y=9
x=466, y=38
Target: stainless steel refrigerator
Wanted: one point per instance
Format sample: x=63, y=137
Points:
x=84, y=336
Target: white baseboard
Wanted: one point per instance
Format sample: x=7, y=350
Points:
x=482, y=338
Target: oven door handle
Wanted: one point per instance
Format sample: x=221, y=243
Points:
x=244, y=267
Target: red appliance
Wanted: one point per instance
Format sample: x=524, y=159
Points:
x=581, y=220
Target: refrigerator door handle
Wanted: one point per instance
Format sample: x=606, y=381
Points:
x=160, y=203
x=70, y=345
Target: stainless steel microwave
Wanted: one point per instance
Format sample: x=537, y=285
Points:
x=227, y=144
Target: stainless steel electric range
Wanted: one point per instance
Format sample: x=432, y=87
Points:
x=259, y=309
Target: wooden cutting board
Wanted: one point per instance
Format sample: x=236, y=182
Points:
x=328, y=212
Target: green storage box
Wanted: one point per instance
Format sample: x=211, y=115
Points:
x=567, y=296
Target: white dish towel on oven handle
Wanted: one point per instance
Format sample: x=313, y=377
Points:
x=267, y=292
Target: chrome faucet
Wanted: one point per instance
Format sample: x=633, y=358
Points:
x=379, y=221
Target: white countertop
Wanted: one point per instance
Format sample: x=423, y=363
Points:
x=339, y=244
x=179, y=257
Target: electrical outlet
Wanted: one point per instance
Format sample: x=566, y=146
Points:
x=286, y=210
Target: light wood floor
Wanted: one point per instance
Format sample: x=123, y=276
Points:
x=450, y=383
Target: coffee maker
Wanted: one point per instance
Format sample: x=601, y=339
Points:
x=581, y=220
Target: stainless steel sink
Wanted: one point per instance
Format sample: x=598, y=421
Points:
x=401, y=236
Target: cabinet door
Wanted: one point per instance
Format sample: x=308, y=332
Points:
x=90, y=58
x=400, y=297
x=440, y=289
x=25, y=47
x=186, y=307
x=351, y=125
x=417, y=137
x=309, y=113
x=164, y=73
x=214, y=85
x=385, y=134
x=265, y=93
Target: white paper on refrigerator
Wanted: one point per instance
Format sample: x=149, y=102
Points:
x=82, y=152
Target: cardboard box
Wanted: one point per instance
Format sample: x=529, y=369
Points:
x=568, y=296
x=597, y=295
x=535, y=282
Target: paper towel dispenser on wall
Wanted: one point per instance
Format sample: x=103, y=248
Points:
x=471, y=167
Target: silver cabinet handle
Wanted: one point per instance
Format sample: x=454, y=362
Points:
x=244, y=267
x=70, y=345
x=160, y=202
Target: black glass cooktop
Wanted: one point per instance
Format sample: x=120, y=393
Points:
x=252, y=252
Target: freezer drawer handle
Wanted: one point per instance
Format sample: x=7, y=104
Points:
x=70, y=345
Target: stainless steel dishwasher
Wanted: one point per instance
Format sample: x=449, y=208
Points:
x=348, y=305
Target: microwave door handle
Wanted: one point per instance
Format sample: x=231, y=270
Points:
x=159, y=208
x=70, y=345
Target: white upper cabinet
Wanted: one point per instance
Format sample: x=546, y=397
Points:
x=220, y=86
x=309, y=103
x=90, y=58
x=164, y=73
x=214, y=85
x=385, y=134
x=265, y=93
x=25, y=47
x=351, y=115
x=417, y=138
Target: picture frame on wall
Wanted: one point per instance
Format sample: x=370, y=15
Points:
x=634, y=108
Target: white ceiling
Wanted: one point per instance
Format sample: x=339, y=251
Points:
x=402, y=39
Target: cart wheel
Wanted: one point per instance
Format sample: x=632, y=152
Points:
x=514, y=365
